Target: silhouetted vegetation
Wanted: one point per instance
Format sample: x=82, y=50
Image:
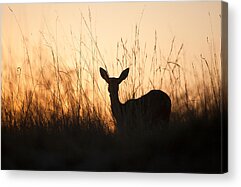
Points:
x=58, y=118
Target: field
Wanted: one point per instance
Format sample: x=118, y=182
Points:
x=57, y=116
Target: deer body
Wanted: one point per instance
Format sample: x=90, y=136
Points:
x=151, y=109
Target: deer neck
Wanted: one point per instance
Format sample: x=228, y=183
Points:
x=116, y=105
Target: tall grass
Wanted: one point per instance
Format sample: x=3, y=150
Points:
x=56, y=108
x=48, y=90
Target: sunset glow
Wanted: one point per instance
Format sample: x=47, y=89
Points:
x=119, y=87
x=58, y=48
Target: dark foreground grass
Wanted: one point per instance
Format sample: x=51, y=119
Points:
x=45, y=111
x=193, y=146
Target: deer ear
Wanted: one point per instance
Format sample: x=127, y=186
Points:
x=104, y=75
x=123, y=75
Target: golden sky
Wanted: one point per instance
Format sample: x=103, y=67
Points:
x=189, y=22
x=60, y=25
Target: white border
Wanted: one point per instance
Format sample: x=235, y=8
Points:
x=233, y=178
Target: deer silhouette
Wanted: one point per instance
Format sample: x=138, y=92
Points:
x=150, y=110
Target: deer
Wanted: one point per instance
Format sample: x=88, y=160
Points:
x=151, y=109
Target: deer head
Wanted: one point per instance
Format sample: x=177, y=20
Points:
x=113, y=82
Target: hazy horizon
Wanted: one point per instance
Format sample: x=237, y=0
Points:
x=39, y=38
